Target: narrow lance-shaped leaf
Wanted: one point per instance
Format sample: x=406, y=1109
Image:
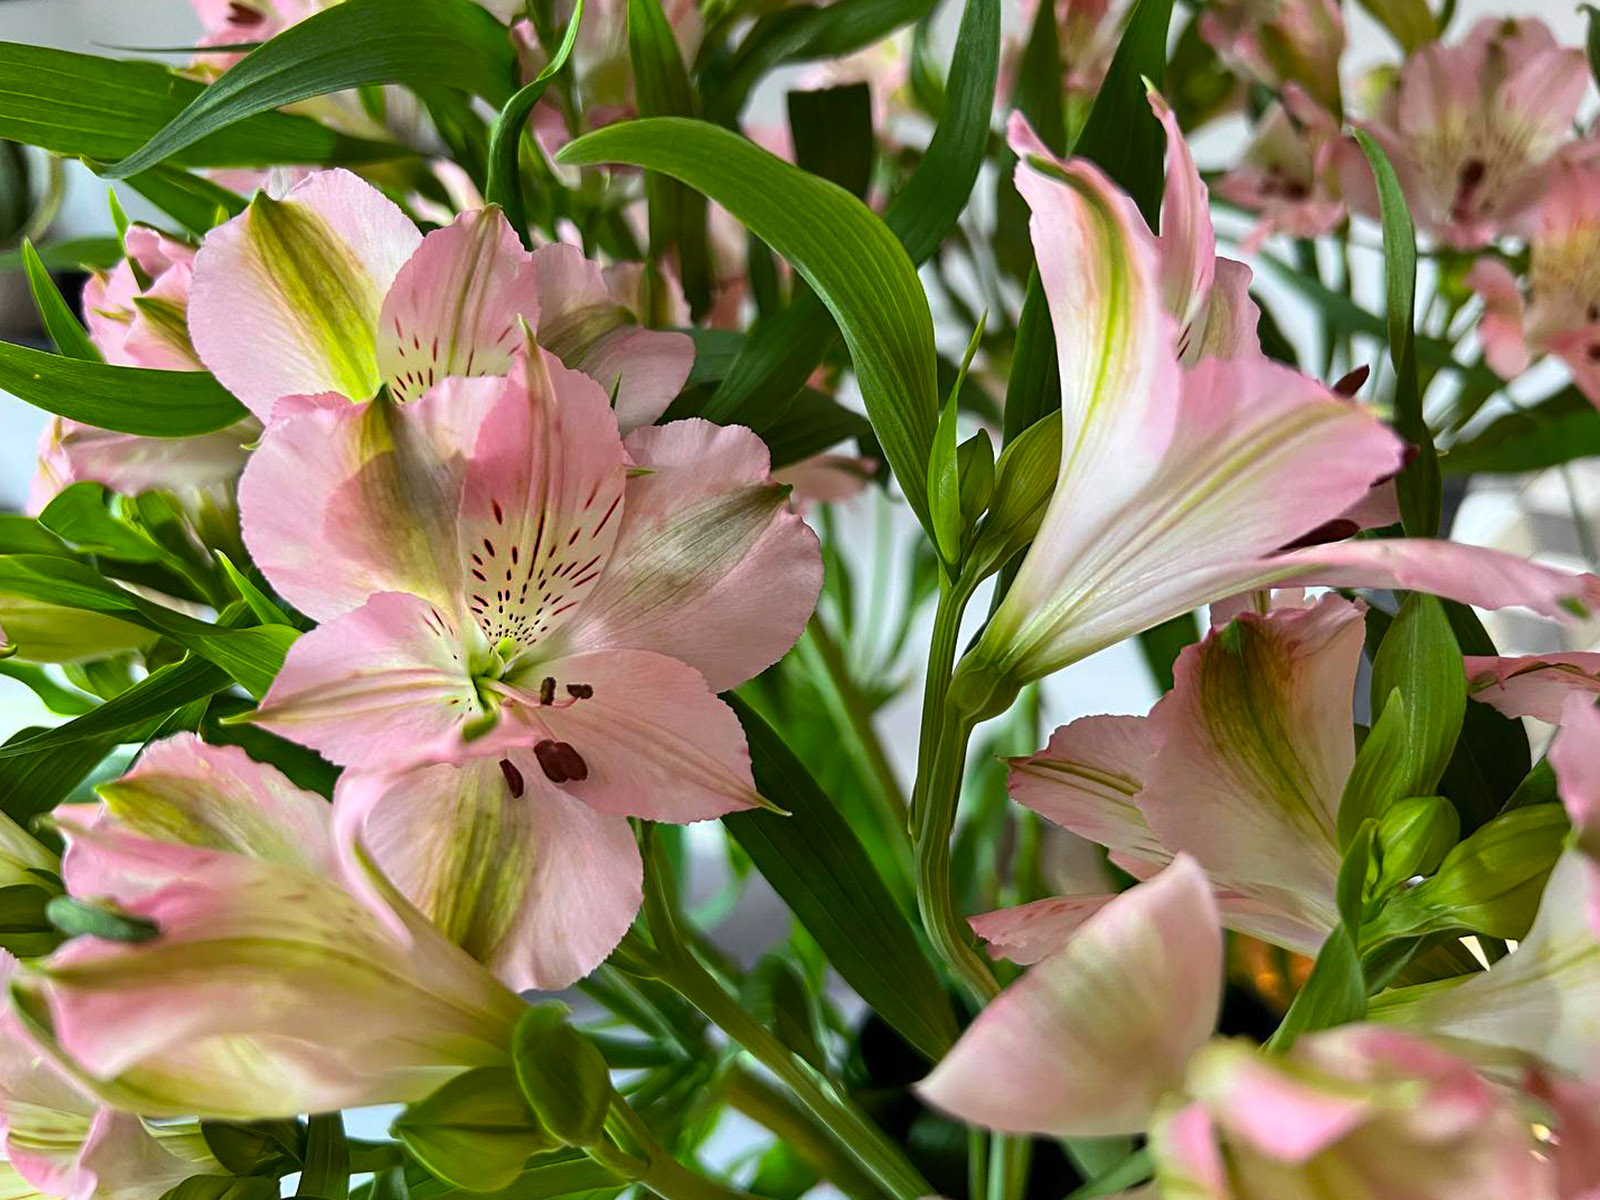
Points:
x=67, y=334
x=848, y=256
x=1418, y=485
x=416, y=43
x=815, y=862
x=124, y=399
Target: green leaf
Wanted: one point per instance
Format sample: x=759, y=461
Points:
x=832, y=133
x=1121, y=135
x=1558, y=429
x=1419, y=660
x=848, y=256
x=191, y=200
x=562, y=1075
x=132, y=715
x=1411, y=23
x=78, y=105
x=67, y=334
x=75, y=918
x=1492, y=756
x=1418, y=484
x=78, y=516
x=124, y=399
x=252, y=656
x=678, y=216
x=24, y=535
x=69, y=255
x=325, y=1173
x=259, y=603
x=504, y=186
x=1033, y=390
x=813, y=423
x=475, y=1132
x=776, y=996
x=1351, y=890
x=1334, y=994
x=64, y=701
x=36, y=783
x=816, y=863
x=780, y=353
x=224, y=1187
x=414, y=43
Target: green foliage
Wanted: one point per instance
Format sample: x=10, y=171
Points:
x=125, y=399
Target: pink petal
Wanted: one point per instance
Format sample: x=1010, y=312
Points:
x=1576, y=1107
x=341, y=501
x=129, y=464
x=536, y=885
x=1226, y=327
x=711, y=566
x=1505, y=347
x=1088, y=1042
x=1575, y=756
x=384, y=685
x=1254, y=749
x=1187, y=1158
x=185, y=791
x=1534, y=685
x=584, y=321
x=1276, y=1112
x=1031, y=932
x=457, y=305
x=655, y=740
x=296, y=313
x=1188, y=245
x=542, y=502
x=1086, y=780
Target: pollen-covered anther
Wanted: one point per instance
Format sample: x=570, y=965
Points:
x=547, y=690
x=561, y=763
x=514, y=781
x=580, y=691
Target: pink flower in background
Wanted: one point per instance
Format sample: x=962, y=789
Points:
x=1184, y=482
x=1475, y=128
x=1534, y=685
x=1241, y=766
x=60, y=1141
x=493, y=554
x=1374, y=1114
x=1280, y=42
x=1557, y=310
x=1087, y=33
x=1292, y=173
x=267, y=987
x=137, y=313
x=333, y=289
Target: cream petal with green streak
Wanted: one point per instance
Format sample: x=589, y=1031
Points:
x=286, y=296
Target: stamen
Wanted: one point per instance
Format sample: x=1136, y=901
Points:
x=1350, y=384
x=514, y=781
x=547, y=690
x=580, y=691
x=561, y=763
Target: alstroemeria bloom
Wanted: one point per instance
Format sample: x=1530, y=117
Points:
x=137, y=316
x=333, y=289
x=1112, y=1034
x=1280, y=42
x=1179, y=484
x=1475, y=128
x=494, y=553
x=1292, y=172
x=267, y=988
x=1541, y=1002
x=1558, y=310
x=1358, y=1112
x=1087, y=32
x=1534, y=685
x=1241, y=765
x=64, y=1145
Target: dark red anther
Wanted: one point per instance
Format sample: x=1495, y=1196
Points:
x=514, y=782
x=580, y=691
x=547, y=690
x=1352, y=383
x=561, y=763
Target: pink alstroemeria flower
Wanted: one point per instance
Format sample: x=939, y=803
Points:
x=1241, y=766
x=1359, y=1112
x=61, y=1143
x=1538, y=1002
x=268, y=988
x=333, y=289
x=137, y=316
x=1534, y=685
x=494, y=554
x=1183, y=481
x=1280, y=42
x=1557, y=311
x=1475, y=128
x=1111, y=1034
x=1293, y=170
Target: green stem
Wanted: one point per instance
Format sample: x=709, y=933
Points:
x=942, y=648
x=851, y=706
x=652, y=1166
x=1009, y=1159
x=796, y=1128
x=675, y=963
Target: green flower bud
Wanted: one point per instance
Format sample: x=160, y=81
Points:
x=1414, y=836
x=563, y=1075
x=476, y=1132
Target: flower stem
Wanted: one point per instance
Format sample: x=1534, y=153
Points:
x=647, y=1162
x=675, y=963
